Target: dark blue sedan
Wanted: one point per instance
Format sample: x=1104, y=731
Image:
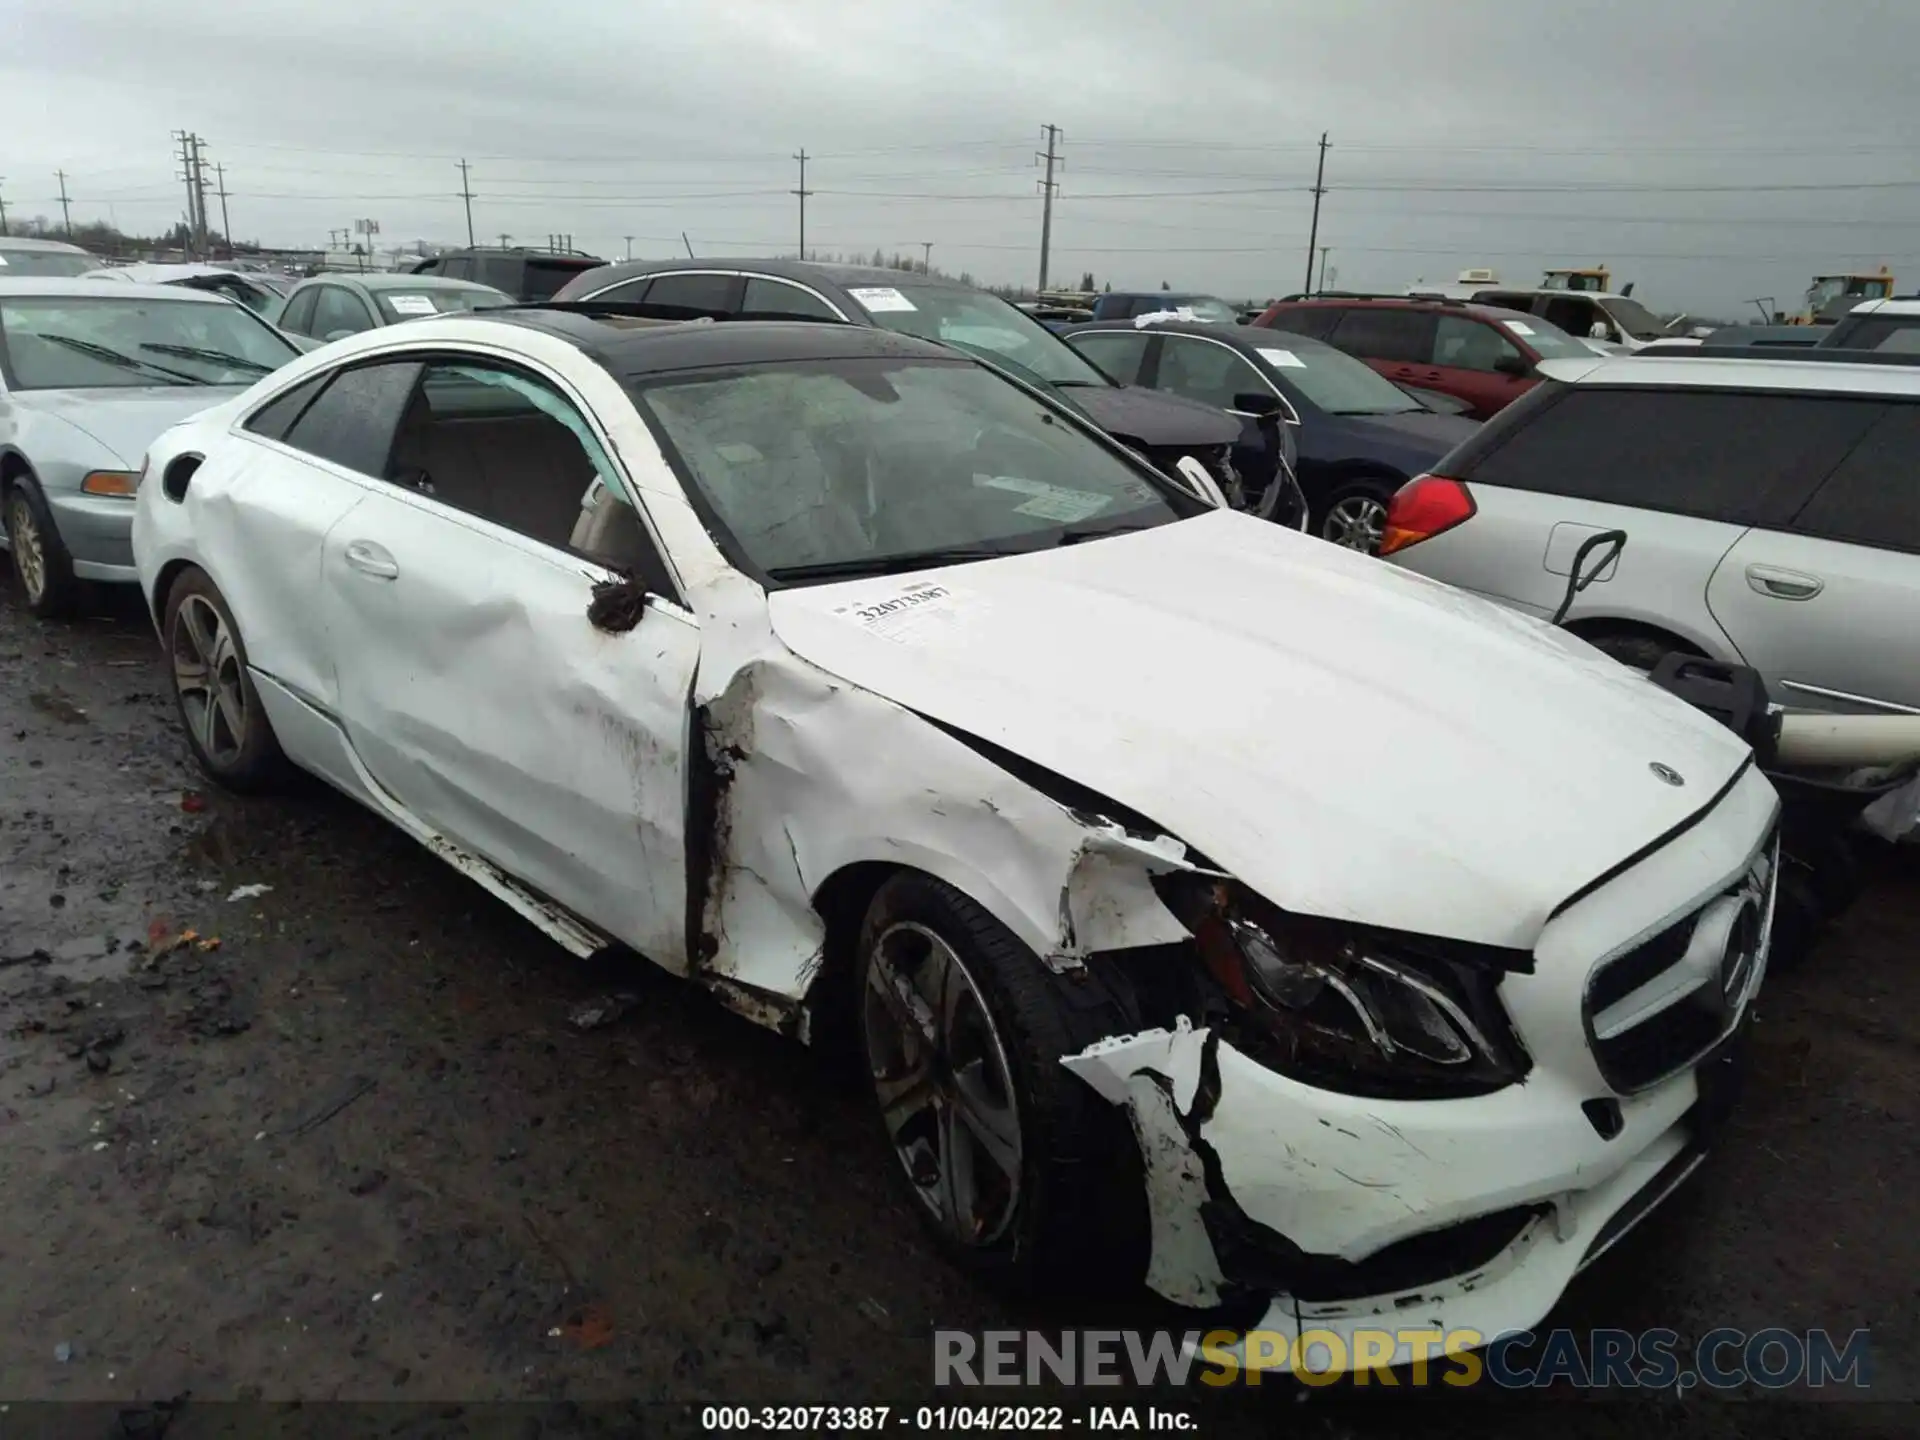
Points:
x=1359, y=437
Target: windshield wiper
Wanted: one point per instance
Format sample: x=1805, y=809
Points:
x=887, y=564
x=217, y=357
x=114, y=357
x=1075, y=534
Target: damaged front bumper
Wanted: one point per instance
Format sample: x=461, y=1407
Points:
x=1339, y=1213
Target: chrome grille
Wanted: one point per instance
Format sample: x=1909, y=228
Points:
x=1657, y=1008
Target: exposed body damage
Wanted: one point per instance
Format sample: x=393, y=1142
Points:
x=809, y=775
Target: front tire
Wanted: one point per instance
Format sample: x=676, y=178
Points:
x=227, y=727
x=1356, y=516
x=40, y=558
x=1025, y=1176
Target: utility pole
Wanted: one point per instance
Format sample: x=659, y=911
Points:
x=200, y=196
x=629, y=240
x=185, y=141
x=1319, y=189
x=466, y=194
x=688, y=243
x=66, y=215
x=226, y=225
x=1323, y=268
x=1047, y=188
x=504, y=237
x=803, y=192
x=3, y=213
x=926, y=265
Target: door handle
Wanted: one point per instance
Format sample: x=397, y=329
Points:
x=371, y=559
x=1783, y=584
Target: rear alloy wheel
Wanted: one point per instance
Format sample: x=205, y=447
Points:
x=226, y=726
x=39, y=558
x=1355, y=520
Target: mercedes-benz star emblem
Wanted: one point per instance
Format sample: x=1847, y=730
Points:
x=1667, y=773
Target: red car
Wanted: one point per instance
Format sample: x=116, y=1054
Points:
x=1483, y=356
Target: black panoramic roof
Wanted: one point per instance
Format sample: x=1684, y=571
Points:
x=631, y=349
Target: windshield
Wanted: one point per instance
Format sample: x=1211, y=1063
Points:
x=1335, y=381
x=397, y=305
x=61, y=263
x=84, y=342
x=977, y=321
x=1634, y=318
x=1203, y=308
x=1548, y=339
x=825, y=468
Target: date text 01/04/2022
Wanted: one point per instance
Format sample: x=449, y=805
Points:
x=984, y=1419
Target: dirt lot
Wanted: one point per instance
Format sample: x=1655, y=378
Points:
x=355, y=1150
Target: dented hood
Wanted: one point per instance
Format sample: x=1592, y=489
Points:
x=1350, y=739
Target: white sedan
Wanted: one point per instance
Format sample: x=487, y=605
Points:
x=1212, y=906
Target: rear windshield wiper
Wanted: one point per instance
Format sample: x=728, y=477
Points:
x=887, y=564
x=111, y=356
x=216, y=357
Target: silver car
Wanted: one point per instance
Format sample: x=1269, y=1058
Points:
x=251, y=290
x=90, y=373
x=21, y=257
x=329, y=307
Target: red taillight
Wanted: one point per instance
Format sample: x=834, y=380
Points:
x=1422, y=508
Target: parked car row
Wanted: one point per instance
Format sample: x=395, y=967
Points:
x=884, y=694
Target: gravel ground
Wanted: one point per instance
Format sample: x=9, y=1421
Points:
x=344, y=1144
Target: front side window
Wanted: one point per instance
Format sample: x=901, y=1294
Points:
x=1873, y=497
x=1576, y=317
x=338, y=312
x=502, y=445
x=71, y=343
x=830, y=468
x=777, y=300
x=1463, y=344
x=1118, y=352
x=299, y=315
x=1212, y=374
x=978, y=322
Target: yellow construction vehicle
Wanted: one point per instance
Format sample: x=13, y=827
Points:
x=1598, y=279
x=1831, y=296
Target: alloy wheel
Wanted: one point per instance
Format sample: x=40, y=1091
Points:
x=945, y=1089
x=207, y=675
x=29, y=550
x=1356, y=523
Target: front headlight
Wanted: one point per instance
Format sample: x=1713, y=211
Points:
x=1346, y=1010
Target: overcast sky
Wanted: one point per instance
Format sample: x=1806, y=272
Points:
x=650, y=117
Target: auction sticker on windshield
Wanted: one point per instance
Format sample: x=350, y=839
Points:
x=1518, y=328
x=411, y=304
x=1285, y=358
x=877, y=298
x=906, y=614
x=1048, y=502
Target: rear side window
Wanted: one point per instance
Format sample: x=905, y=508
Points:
x=777, y=300
x=1873, y=498
x=1380, y=333
x=273, y=418
x=1749, y=459
x=353, y=420
x=1118, y=352
x=1315, y=320
x=694, y=295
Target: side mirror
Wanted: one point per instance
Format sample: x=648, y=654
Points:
x=1263, y=406
x=1203, y=485
x=1599, y=331
x=1515, y=365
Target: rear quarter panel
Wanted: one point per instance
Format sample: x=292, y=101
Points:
x=1509, y=552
